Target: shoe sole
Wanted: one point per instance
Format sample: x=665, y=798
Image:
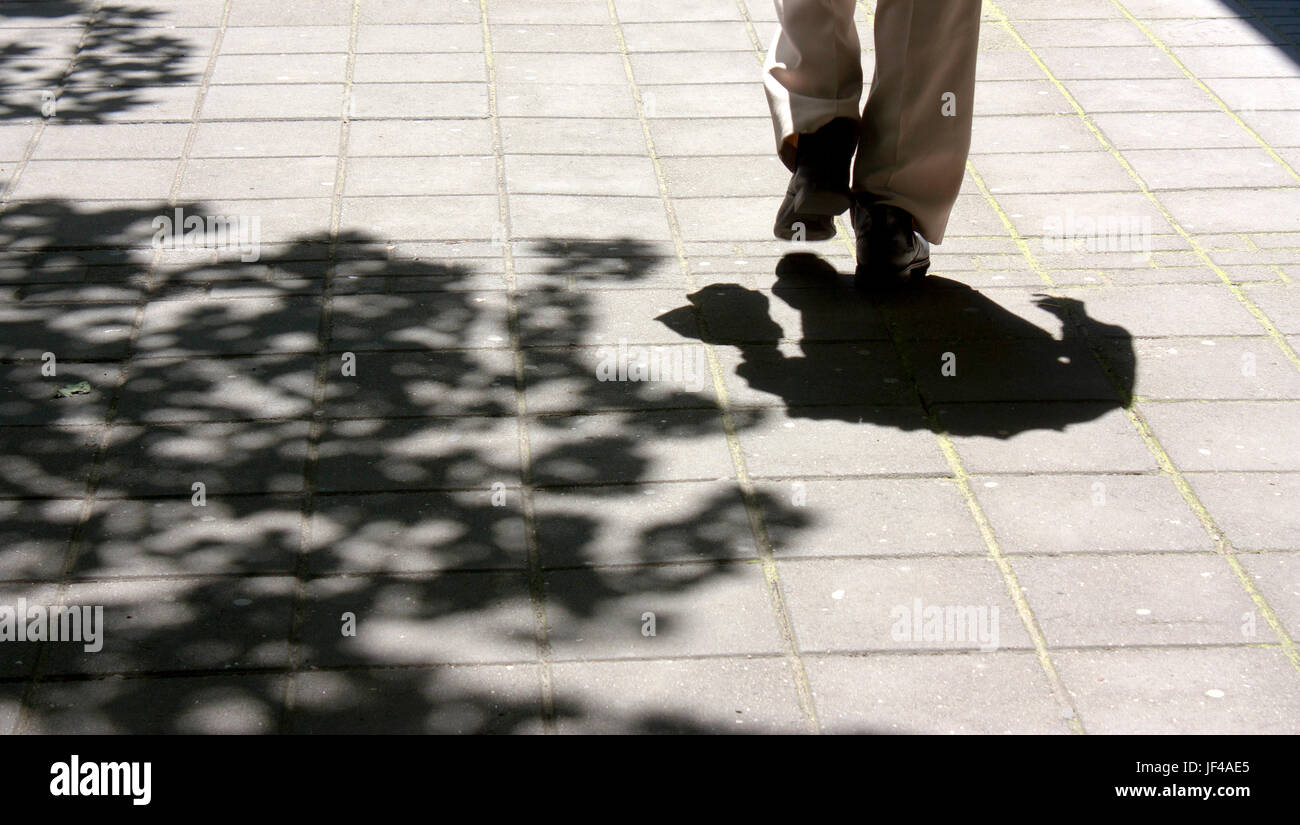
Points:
x=816, y=211
x=912, y=275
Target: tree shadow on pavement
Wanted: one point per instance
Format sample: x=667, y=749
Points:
x=354, y=430
x=125, y=60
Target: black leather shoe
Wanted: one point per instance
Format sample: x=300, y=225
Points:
x=819, y=188
x=890, y=252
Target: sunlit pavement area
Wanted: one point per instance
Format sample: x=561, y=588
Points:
x=496, y=407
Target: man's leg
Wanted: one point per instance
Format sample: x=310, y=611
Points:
x=813, y=79
x=916, y=126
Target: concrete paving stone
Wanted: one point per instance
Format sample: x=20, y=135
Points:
x=392, y=219
x=570, y=136
x=704, y=100
x=1277, y=128
x=307, y=39
x=1210, y=32
x=725, y=136
x=245, y=178
x=1256, y=93
x=28, y=397
x=173, y=537
x=184, y=705
x=689, y=177
x=1019, y=97
x=895, y=605
x=392, y=138
x=587, y=217
x=440, y=67
x=1183, y=310
x=598, y=69
x=1175, y=95
x=1013, y=314
x=1279, y=304
x=52, y=460
x=1118, y=601
x=677, y=36
x=271, y=101
x=419, y=321
x=1207, y=691
x=295, y=222
x=1006, y=64
x=447, y=699
x=1245, y=210
x=554, y=38
x=290, y=12
x=11, y=697
x=583, y=265
x=550, y=100
x=96, y=180
x=1045, y=437
x=691, y=67
x=1227, y=435
x=168, y=459
x=711, y=219
x=1237, y=61
x=1080, y=33
x=417, y=532
x=1254, y=510
x=704, y=609
x=419, y=38
x=418, y=100
x=278, y=139
x=607, y=317
x=214, y=389
x=1213, y=368
x=867, y=517
x=202, y=623
x=292, y=67
x=588, y=379
x=1208, y=168
x=1089, y=514
x=418, y=454
x=438, y=618
x=421, y=176
x=418, y=11
x=838, y=441
x=654, y=445
x=1028, y=370
x=35, y=535
x=1277, y=575
x=982, y=693
x=253, y=326
x=722, y=695
x=61, y=141
x=13, y=141
x=1075, y=171
x=1131, y=131
x=811, y=374
x=544, y=12
x=385, y=384
x=18, y=659
x=610, y=525
x=1108, y=62
x=1037, y=215
x=581, y=175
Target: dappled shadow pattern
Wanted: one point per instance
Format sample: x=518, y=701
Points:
x=390, y=490
x=125, y=61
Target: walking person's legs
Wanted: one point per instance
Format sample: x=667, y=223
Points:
x=813, y=79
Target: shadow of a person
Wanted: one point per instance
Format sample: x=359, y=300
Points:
x=946, y=349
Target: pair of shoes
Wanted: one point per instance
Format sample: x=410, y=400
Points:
x=891, y=253
x=819, y=187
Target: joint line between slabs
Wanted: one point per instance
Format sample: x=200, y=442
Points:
x=762, y=541
x=536, y=580
x=73, y=550
x=316, y=429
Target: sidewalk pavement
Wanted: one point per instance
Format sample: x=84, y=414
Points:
x=468, y=391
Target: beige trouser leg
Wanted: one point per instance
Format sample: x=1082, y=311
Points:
x=915, y=131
